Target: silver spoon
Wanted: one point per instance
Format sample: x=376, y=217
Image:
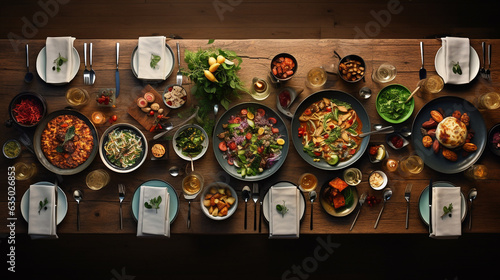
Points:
x=216, y=109
x=312, y=197
x=362, y=199
x=169, y=127
x=472, y=196
x=405, y=131
x=365, y=92
x=387, y=129
x=174, y=171
x=387, y=195
x=246, y=196
x=78, y=195
x=29, y=76
x=92, y=72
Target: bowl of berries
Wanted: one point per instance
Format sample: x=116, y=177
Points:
x=106, y=97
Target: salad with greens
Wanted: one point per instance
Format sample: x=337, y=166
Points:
x=251, y=142
x=189, y=141
x=391, y=102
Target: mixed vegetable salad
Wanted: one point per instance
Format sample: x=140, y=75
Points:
x=251, y=142
x=123, y=147
x=392, y=102
x=190, y=141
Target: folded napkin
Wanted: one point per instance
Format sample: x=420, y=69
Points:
x=456, y=50
x=148, y=46
x=42, y=220
x=446, y=226
x=287, y=225
x=55, y=46
x=153, y=221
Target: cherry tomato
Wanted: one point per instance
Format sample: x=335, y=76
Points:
x=222, y=146
x=275, y=130
x=261, y=112
x=114, y=118
x=248, y=136
x=307, y=112
x=272, y=120
x=260, y=149
x=230, y=161
x=328, y=109
x=151, y=113
x=244, y=112
x=317, y=154
x=232, y=146
x=237, y=120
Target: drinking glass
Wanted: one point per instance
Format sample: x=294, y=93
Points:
x=488, y=101
x=24, y=171
x=411, y=164
x=316, y=77
x=97, y=179
x=77, y=96
x=308, y=182
x=431, y=85
x=353, y=176
x=477, y=172
x=385, y=73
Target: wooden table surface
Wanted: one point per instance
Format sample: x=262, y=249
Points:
x=99, y=209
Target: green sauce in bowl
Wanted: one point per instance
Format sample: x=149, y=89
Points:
x=391, y=104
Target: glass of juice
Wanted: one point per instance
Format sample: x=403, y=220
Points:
x=97, y=179
x=431, y=85
x=308, y=182
x=411, y=164
x=316, y=77
x=192, y=184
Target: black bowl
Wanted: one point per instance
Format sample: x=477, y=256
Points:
x=356, y=58
x=294, y=69
x=491, y=145
x=37, y=98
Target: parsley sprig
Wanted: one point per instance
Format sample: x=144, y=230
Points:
x=154, y=61
x=282, y=209
x=42, y=205
x=154, y=203
x=447, y=210
x=58, y=62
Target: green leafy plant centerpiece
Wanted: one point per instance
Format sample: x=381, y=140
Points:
x=214, y=73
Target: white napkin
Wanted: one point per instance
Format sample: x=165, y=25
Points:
x=42, y=223
x=53, y=47
x=288, y=225
x=151, y=221
x=456, y=50
x=147, y=46
x=446, y=227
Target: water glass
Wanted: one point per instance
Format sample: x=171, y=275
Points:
x=316, y=77
x=412, y=164
x=77, y=96
x=488, y=101
x=385, y=73
x=24, y=171
x=431, y=85
x=97, y=179
x=477, y=172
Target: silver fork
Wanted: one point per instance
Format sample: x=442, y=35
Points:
x=407, y=198
x=86, y=72
x=488, y=74
x=362, y=199
x=92, y=72
x=121, y=195
x=255, y=198
x=179, y=74
x=482, y=71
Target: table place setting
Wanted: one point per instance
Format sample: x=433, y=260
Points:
x=153, y=212
x=153, y=59
x=284, y=211
x=456, y=61
x=42, y=211
x=58, y=62
x=445, y=206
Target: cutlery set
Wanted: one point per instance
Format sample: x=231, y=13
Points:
x=485, y=73
x=254, y=195
x=88, y=75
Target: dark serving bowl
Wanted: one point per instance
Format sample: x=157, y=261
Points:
x=294, y=69
x=347, y=58
x=491, y=145
x=37, y=99
x=38, y=148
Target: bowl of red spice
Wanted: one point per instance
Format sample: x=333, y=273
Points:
x=27, y=109
x=396, y=141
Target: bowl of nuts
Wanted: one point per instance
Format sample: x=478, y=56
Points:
x=351, y=68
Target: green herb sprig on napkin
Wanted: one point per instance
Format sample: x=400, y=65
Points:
x=42, y=205
x=58, y=63
x=282, y=209
x=154, y=61
x=154, y=203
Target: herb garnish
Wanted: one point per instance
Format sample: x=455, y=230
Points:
x=154, y=203
x=447, y=210
x=457, y=69
x=58, y=63
x=70, y=133
x=392, y=102
x=282, y=209
x=154, y=61
x=42, y=205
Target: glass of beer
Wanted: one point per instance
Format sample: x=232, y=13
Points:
x=385, y=73
x=192, y=184
x=488, y=101
x=97, y=179
x=431, y=85
x=77, y=97
x=316, y=77
x=411, y=164
x=308, y=182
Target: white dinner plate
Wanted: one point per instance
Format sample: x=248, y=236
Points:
x=62, y=203
x=474, y=64
x=423, y=201
x=41, y=65
x=173, y=204
x=169, y=55
x=265, y=201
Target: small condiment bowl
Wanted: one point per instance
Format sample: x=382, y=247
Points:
x=170, y=104
x=388, y=139
x=15, y=144
x=373, y=158
x=294, y=69
x=375, y=185
x=37, y=98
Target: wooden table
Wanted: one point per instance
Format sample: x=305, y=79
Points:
x=99, y=209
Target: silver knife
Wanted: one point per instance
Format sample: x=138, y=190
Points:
x=430, y=206
x=117, y=73
x=55, y=202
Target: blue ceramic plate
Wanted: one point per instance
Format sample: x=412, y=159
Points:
x=331, y=94
x=62, y=203
x=230, y=169
x=173, y=205
x=436, y=161
x=423, y=201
